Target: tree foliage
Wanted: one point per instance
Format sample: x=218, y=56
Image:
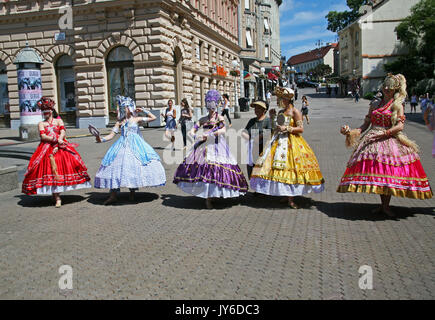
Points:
x=320, y=70
x=338, y=20
x=417, y=32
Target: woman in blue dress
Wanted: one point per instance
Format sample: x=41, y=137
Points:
x=130, y=162
x=171, y=124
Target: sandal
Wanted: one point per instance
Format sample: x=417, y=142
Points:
x=110, y=201
x=389, y=213
x=377, y=210
x=293, y=205
x=208, y=204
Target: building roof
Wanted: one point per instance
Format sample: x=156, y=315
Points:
x=311, y=55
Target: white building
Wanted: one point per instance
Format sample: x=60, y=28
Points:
x=303, y=62
x=370, y=42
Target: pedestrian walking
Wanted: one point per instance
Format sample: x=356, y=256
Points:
x=185, y=120
x=336, y=90
x=130, y=162
x=304, y=108
x=268, y=97
x=209, y=170
x=424, y=99
x=357, y=94
x=254, y=133
x=296, y=93
x=171, y=125
x=55, y=166
x=226, y=108
x=385, y=161
x=414, y=102
x=288, y=166
x=429, y=119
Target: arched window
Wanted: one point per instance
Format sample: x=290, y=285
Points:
x=65, y=84
x=4, y=95
x=120, y=75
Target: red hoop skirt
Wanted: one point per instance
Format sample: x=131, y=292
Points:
x=72, y=172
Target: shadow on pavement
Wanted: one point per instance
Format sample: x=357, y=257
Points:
x=362, y=211
x=196, y=203
x=260, y=201
x=46, y=200
x=414, y=117
x=98, y=198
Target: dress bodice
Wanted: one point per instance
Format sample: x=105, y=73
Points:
x=381, y=117
x=52, y=129
x=210, y=123
x=128, y=128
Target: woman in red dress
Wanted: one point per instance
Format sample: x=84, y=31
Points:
x=55, y=166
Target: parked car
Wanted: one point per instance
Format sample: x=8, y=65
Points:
x=305, y=83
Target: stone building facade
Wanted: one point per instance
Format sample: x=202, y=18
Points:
x=151, y=50
x=260, y=42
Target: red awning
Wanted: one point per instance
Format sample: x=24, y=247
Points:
x=271, y=76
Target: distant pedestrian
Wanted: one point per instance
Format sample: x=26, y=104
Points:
x=414, y=102
x=429, y=119
x=171, y=125
x=226, y=108
x=356, y=94
x=296, y=93
x=185, y=120
x=268, y=97
x=336, y=90
x=424, y=100
x=304, y=109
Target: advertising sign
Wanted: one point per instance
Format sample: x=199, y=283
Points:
x=29, y=92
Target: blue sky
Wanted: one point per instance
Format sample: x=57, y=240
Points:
x=302, y=23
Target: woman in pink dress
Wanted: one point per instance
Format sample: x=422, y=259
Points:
x=385, y=161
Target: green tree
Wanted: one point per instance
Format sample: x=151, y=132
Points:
x=338, y=20
x=417, y=32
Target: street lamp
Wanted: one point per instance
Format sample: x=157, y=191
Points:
x=293, y=75
x=263, y=93
x=236, y=66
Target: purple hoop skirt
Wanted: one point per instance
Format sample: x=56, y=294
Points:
x=211, y=171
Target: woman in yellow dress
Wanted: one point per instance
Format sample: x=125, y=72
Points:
x=288, y=166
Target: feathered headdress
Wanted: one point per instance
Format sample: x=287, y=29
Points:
x=45, y=103
x=123, y=103
x=212, y=98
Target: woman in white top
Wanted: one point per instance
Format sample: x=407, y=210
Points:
x=171, y=125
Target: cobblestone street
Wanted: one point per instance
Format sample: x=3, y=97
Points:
x=166, y=245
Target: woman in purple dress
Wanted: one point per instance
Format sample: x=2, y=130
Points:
x=210, y=171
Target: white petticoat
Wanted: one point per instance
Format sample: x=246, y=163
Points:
x=274, y=188
x=208, y=190
x=59, y=189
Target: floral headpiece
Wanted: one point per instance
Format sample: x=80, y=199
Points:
x=285, y=93
x=45, y=103
x=392, y=82
x=212, y=98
